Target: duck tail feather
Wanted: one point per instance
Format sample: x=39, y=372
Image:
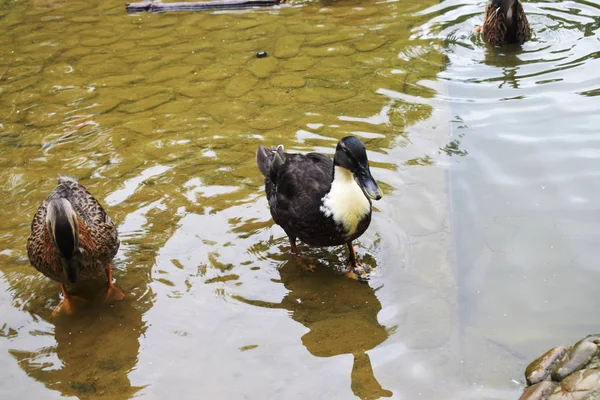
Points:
x=278, y=158
x=66, y=178
x=62, y=226
x=269, y=160
x=67, y=181
x=263, y=159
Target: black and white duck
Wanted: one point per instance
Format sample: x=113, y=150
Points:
x=319, y=200
x=505, y=22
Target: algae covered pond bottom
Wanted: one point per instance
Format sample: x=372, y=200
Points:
x=482, y=246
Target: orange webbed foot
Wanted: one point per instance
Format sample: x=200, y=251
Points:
x=306, y=266
x=66, y=304
x=113, y=291
x=478, y=29
x=63, y=307
x=358, y=273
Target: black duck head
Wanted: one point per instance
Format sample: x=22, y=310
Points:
x=62, y=225
x=352, y=155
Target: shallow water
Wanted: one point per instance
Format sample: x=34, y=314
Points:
x=483, y=243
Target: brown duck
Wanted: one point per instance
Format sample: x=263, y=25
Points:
x=72, y=238
x=505, y=22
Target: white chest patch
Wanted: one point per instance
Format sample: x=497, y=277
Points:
x=345, y=202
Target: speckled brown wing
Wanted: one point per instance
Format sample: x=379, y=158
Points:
x=524, y=31
x=40, y=249
x=102, y=230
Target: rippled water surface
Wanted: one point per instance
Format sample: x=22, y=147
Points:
x=483, y=246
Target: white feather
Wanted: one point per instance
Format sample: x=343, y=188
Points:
x=509, y=15
x=345, y=203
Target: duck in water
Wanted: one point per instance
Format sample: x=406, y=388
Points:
x=72, y=239
x=505, y=22
x=322, y=202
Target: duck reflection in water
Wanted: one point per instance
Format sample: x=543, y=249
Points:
x=95, y=348
x=342, y=317
x=508, y=63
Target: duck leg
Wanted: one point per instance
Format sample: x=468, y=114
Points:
x=293, y=245
x=65, y=303
x=112, y=289
x=303, y=265
x=357, y=271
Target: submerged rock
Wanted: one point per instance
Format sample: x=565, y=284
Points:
x=288, y=46
x=566, y=373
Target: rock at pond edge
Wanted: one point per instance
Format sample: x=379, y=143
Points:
x=539, y=369
x=579, y=356
x=539, y=391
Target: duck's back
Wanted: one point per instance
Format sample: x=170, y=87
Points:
x=497, y=32
x=295, y=190
x=87, y=208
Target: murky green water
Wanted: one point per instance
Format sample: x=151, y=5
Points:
x=160, y=116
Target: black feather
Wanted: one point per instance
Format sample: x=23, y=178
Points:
x=63, y=234
x=295, y=185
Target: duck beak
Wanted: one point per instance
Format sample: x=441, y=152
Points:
x=368, y=184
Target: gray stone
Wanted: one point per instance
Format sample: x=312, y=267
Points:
x=539, y=391
x=539, y=369
x=581, y=385
x=579, y=356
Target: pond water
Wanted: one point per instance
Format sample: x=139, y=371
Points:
x=483, y=244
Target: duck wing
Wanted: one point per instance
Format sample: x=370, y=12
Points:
x=303, y=178
x=295, y=190
x=102, y=229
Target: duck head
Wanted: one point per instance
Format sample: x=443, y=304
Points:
x=352, y=155
x=63, y=227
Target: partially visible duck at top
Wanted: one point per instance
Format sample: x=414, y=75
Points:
x=319, y=200
x=505, y=22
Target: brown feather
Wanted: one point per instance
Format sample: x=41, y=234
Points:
x=98, y=236
x=498, y=33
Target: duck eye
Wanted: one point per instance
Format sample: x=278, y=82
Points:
x=349, y=155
